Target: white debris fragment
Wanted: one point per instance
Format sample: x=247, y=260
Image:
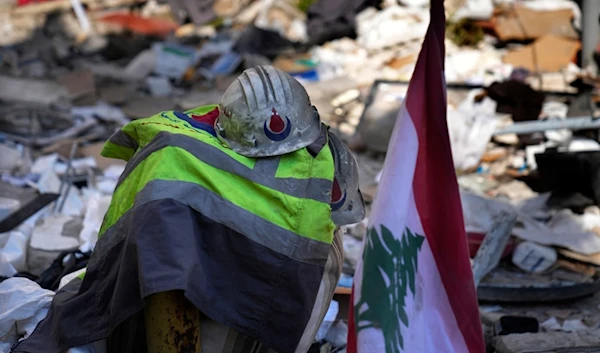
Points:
x=48, y=182
x=23, y=304
x=470, y=127
x=108, y=182
x=551, y=324
x=534, y=258
x=44, y=163
x=564, y=229
x=14, y=251
x=391, y=26
x=574, y=325
x=49, y=234
x=11, y=157
x=475, y=10
x=582, y=145
x=97, y=206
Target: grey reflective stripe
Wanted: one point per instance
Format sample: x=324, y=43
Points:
x=267, y=166
x=221, y=211
x=313, y=188
x=122, y=139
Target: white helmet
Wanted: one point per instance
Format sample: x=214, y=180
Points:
x=347, y=204
x=266, y=112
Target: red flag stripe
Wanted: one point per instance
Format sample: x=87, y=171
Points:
x=351, y=348
x=435, y=186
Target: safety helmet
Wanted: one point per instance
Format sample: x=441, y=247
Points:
x=347, y=204
x=266, y=112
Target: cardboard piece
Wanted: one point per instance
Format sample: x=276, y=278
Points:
x=524, y=23
x=547, y=54
x=593, y=259
x=400, y=62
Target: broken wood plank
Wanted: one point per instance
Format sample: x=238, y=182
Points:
x=343, y=291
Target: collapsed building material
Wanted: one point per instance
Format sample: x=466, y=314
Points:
x=493, y=245
x=34, y=126
x=526, y=23
x=550, y=342
x=31, y=91
x=528, y=127
x=547, y=54
x=29, y=202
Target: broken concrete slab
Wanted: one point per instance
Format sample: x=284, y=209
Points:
x=550, y=342
x=31, y=91
x=51, y=236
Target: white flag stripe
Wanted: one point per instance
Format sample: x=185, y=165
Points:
x=432, y=326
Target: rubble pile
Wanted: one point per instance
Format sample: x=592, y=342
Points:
x=520, y=116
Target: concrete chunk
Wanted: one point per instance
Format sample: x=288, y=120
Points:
x=31, y=91
x=550, y=342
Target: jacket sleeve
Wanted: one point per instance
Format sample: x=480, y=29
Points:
x=331, y=277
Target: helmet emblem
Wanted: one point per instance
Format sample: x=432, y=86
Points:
x=276, y=128
x=338, y=196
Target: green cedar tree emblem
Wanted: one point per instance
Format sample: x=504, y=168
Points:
x=389, y=268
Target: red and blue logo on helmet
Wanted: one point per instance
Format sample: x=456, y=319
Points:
x=338, y=196
x=276, y=128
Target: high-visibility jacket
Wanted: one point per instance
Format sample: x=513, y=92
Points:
x=247, y=239
x=290, y=191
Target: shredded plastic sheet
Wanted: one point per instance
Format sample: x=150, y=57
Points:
x=564, y=229
x=96, y=208
x=471, y=126
x=23, y=304
x=13, y=249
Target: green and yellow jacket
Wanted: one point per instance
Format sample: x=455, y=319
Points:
x=246, y=239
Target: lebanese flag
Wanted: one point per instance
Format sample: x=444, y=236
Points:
x=413, y=289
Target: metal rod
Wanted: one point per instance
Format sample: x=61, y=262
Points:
x=66, y=181
x=528, y=127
